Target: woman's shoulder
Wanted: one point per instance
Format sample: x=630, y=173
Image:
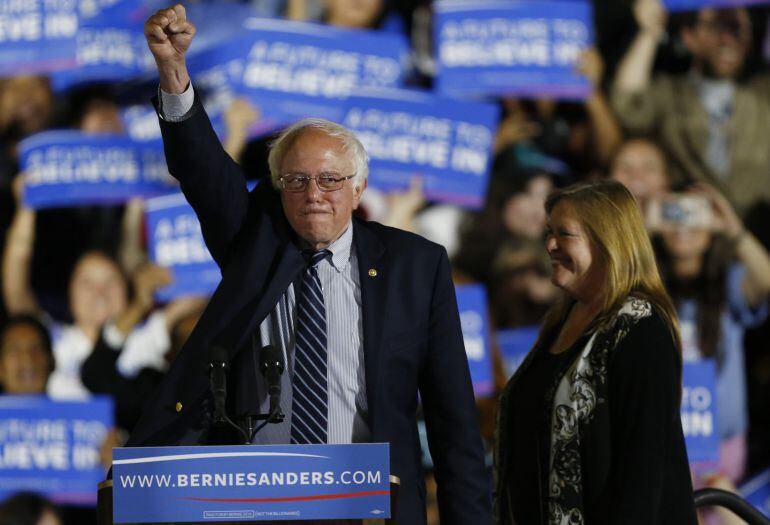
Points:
x=642, y=331
x=638, y=320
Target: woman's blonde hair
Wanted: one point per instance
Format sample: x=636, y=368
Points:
x=611, y=215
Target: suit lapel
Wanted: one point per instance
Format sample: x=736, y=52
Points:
x=373, y=276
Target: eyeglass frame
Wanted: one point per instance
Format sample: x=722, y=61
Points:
x=308, y=178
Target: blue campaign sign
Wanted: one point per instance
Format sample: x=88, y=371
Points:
x=106, y=51
x=251, y=483
x=130, y=10
x=293, y=70
x=70, y=168
x=410, y=133
x=141, y=123
x=692, y=5
x=53, y=447
x=512, y=47
x=176, y=242
x=698, y=411
x=472, y=304
x=37, y=36
x=757, y=492
x=515, y=344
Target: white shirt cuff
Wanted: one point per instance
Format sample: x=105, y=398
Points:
x=175, y=107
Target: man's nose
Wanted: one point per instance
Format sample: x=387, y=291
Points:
x=312, y=190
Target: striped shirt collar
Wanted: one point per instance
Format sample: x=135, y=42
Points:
x=341, y=249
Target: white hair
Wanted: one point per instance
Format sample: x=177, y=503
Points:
x=350, y=144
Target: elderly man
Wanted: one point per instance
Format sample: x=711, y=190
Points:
x=364, y=315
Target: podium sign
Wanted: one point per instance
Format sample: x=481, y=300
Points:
x=251, y=483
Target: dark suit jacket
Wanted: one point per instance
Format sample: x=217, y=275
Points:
x=412, y=338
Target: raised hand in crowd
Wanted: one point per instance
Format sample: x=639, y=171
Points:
x=17, y=256
x=635, y=69
x=131, y=253
x=591, y=66
x=748, y=249
x=169, y=34
x=403, y=206
x=515, y=127
x=605, y=132
x=240, y=115
x=147, y=280
x=650, y=16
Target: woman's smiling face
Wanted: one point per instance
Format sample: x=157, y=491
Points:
x=576, y=261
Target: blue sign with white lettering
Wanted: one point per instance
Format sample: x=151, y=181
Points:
x=129, y=10
x=472, y=304
x=215, y=72
x=294, y=70
x=512, y=47
x=70, y=168
x=251, y=483
x=448, y=143
x=176, y=242
x=141, y=123
x=515, y=344
x=37, y=36
x=698, y=411
x=106, y=50
x=693, y=5
x=757, y=492
x=53, y=447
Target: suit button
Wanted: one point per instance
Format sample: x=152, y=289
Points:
x=178, y=406
x=372, y=272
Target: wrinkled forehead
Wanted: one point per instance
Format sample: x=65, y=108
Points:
x=314, y=148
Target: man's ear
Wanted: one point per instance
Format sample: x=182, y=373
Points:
x=358, y=192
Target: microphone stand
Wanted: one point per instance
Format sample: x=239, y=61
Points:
x=270, y=366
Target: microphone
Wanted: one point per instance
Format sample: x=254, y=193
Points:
x=218, y=382
x=271, y=366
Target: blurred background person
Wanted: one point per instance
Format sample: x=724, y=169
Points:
x=714, y=120
x=583, y=135
x=100, y=297
x=718, y=275
x=640, y=165
x=26, y=356
x=520, y=182
x=27, y=508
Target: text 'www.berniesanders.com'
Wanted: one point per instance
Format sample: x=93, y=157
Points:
x=250, y=479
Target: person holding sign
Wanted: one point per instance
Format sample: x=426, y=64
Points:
x=363, y=316
x=589, y=428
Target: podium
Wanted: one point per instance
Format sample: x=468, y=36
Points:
x=280, y=484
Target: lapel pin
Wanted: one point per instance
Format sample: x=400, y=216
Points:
x=372, y=272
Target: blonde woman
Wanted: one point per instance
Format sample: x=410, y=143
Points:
x=589, y=429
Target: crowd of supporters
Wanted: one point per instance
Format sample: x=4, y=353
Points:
x=679, y=112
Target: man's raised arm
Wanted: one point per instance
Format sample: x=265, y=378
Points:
x=211, y=181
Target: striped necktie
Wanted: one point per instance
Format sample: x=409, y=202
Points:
x=310, y=407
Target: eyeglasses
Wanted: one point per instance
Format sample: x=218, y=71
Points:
x=296, y=182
